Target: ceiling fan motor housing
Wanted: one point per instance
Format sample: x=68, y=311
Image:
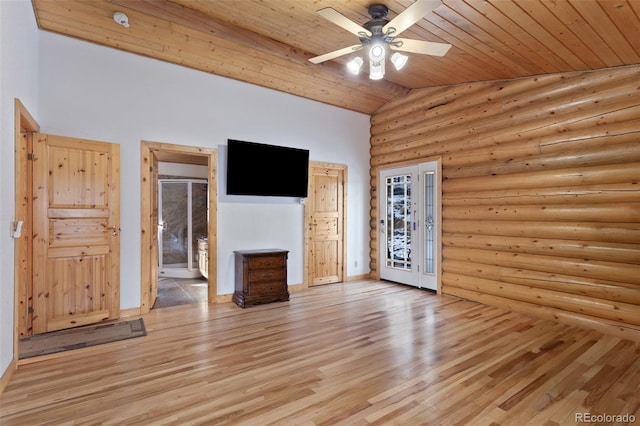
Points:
x=378, y=13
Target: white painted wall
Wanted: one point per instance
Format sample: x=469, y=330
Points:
x=99, y=93
x=18, y=79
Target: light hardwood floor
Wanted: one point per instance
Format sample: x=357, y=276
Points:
x=358, y=353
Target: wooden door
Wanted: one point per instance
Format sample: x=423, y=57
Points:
x=325, y=206
x=76, y=244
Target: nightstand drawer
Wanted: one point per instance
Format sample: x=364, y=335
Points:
x=262, y=262
x=258, y=275
x=267, y=287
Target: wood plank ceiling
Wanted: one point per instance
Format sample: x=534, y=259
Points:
x=269, y=42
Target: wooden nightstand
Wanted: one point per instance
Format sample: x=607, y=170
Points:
x=261, y=277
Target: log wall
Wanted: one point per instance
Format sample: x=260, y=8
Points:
x=541, y=191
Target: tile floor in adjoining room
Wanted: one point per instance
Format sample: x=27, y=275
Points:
x=180, y=291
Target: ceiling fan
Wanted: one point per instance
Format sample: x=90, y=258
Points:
x=380, y=34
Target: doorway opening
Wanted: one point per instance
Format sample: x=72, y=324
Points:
x=409, y=225
x=183, y=216
x=192, y=272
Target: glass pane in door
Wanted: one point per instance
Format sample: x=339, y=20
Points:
x=398, y=222
x=175, y=232
x=429, y=215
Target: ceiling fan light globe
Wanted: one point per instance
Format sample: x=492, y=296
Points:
x=376, y=53
x=399, y=60
x=355, y=65
x=376, y=70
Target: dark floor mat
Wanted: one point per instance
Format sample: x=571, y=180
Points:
x=81, y=337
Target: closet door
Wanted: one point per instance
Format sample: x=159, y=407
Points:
x=326, y=215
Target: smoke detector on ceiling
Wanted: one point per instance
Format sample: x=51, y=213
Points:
x=121, y=19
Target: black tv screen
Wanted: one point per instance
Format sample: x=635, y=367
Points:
x=268, y=170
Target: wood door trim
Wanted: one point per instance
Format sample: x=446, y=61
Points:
x=24, y=128
x=151, y=153
x=307, y=220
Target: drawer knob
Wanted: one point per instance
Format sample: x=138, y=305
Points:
x=267, y=275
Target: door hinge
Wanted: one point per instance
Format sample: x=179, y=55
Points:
x=30, y=310
x=30, y=156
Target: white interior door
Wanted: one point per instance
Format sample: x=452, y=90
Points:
x=398, y=222
x=409, y=224
x=429, y=222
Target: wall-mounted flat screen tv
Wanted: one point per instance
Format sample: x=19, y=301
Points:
x=268, y=170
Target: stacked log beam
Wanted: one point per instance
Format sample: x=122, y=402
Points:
x=540, y=190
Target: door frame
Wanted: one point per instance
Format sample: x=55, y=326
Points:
x=24, y=128
x=307, y=221
x=438, y=254
x=151, y=154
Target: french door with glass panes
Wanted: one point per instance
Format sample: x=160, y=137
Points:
x=409, y=225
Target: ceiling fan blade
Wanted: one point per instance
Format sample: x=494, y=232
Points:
x=342, y=21
x=335, y=54
x=420, y=46
x=411, y=15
